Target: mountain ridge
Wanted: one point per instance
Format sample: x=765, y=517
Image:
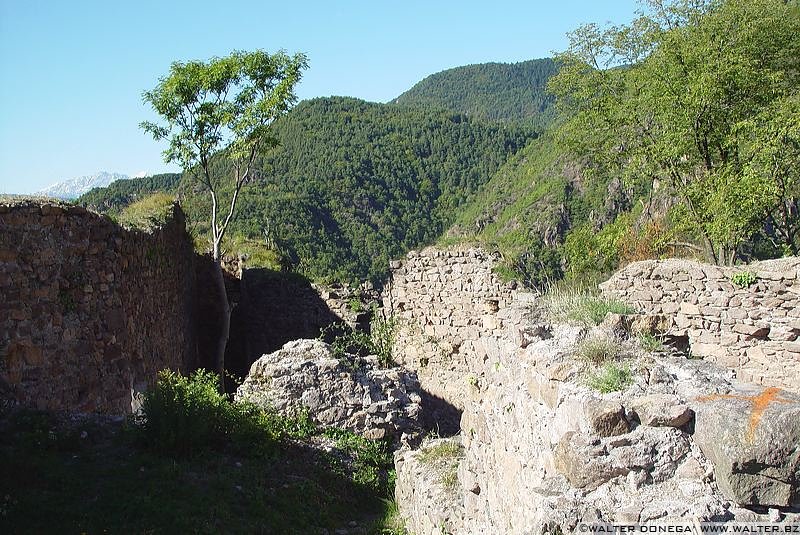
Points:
x=73, y=188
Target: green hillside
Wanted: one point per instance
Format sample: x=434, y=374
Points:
x=530, y=206
x=673, y=155
x=121, y=193
x=490, y=91
x=353, y=184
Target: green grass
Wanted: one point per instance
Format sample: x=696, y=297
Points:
x=612, y=377
x=69, y=477
x=579, y=303
x=650, y=342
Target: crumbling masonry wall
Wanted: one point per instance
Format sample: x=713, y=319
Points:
x=754, y=330
x=90, y=312
x=444, y=301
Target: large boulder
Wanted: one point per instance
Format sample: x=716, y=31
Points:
x=359, y=397
x=753, y=438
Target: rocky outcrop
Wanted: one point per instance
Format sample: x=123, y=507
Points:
x=357, y=396
x=746, y=318
x=752, y=436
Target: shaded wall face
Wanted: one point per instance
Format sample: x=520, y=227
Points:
x=752, y=327
x=272, y=308
x=90, y=312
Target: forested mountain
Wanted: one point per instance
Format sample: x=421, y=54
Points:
x=121, y=193
x=353, y=184
x=490, y=91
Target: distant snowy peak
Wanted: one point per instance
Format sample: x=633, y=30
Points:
x=75, y=187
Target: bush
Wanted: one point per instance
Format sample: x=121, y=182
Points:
x=577, y=302
x=611, y=378
x=372, y=461
x=153, y=211
x=183, y=416
x=346, y=342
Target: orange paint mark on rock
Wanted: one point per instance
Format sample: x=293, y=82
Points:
x=760, y=404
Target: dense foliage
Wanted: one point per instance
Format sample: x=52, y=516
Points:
x=680, y=135
x=702, y=98
x=490, y=91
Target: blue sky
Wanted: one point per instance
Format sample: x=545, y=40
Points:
x=73, y=72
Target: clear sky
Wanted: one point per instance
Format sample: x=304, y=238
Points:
x=72, y=72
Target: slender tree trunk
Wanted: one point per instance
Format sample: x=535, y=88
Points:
x=225, y=317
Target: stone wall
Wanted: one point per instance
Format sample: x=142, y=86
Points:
x=444, y=301
x=753, y=330
x=89, y=311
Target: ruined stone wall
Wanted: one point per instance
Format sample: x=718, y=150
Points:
x=753, y=330
x=541, y=451
x=89, y=312
x=444, y=301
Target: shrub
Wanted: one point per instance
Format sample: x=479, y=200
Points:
x=577, y=302
x=590, y=251
x=598, y=349
x=372, y=461
x=148, y=213
x=346, y=342
x=610, y=378
x=183, y=416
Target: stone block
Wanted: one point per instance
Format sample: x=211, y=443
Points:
x=606, y=418
x=751, y=437
x=690, y=309
x=751, y=331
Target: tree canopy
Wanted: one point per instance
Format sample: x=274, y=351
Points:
x=700, y=96
x=227, y=104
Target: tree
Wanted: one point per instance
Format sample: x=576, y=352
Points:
x=683, y=96
x=223, y=108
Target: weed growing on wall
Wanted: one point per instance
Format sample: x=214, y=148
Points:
x=444, y=457
x=612, y=377
x=598, y=349
x=346, y=342
x=148, y=213
x=744, y=279
x=650, y=342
